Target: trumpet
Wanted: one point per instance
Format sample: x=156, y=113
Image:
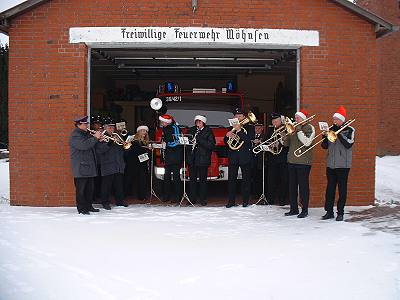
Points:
x=91, y=131
x=117, y=139
x=330, y=135
x=234, y=142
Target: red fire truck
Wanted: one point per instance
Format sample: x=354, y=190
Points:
x=217, y=107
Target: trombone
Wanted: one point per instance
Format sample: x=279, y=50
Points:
x=289, y=128
x=270, y=143
x=330, y=135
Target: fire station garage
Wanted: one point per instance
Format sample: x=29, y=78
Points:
x=73, y=58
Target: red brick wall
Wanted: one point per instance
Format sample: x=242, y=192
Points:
x=48, y=80
x=388, y=54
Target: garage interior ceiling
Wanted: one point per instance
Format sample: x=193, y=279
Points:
x=156, y=63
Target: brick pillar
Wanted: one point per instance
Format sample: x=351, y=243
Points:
x=388, y=61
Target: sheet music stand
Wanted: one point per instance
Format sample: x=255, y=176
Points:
x=262, y=198
x=184, y=140
x=153, y=145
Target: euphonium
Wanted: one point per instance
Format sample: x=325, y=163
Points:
x=234, y=143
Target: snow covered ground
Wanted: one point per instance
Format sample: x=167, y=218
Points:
x=151, y=252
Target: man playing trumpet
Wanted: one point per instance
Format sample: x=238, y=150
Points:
x=338, y=164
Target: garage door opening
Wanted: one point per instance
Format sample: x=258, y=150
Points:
x=209, y=82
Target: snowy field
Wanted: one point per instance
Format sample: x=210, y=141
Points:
x=150, y=252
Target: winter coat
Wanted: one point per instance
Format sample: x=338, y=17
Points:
x=173, y=153
x=303, y=136
x=200, y=156
x=139, y=149
x=82, y=150
x=244, y=155
x=111, y=157
x=340, y=152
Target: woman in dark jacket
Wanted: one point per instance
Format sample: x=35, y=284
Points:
x=173, y=157
x=141, y=155
x=199, y=158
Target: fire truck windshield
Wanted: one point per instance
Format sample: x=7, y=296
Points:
x=217, y=115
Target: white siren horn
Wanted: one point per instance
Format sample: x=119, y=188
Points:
x=156, y=103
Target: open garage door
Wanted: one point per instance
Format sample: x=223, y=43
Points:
x=123, y=81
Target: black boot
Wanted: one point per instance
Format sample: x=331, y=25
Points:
x=229, y=205
x=303, y=214
x=124, y=204
x=327, y=216
x=106, y=206
x=339, y=218
x=291, y=213
x=245, y=204
x=92, y=209
x=84, y=212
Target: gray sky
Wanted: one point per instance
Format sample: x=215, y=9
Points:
x=4, y=5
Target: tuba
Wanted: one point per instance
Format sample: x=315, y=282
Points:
x=235, y=143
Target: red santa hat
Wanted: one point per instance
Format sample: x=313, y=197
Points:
x=201, y=118
x=340, y=114
x=142, y=127
x=302, y=114
x=166, y=118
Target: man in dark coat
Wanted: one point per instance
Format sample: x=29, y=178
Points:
x=83, y=160
x=173, y=157
x=199, y=157
x=242, y=157
x=112, y=163
x=96, y=124
x=277, y=164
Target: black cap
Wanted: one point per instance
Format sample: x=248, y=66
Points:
x=109, y=121
x=96, y=119
x=82, y=120
x=275, y=116
x=237, y=111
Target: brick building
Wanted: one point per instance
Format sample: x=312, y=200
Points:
x=388, y=62
x=69, y=57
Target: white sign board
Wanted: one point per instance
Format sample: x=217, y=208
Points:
x=192, y=36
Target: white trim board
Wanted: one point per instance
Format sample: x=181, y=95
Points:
x=189, y=37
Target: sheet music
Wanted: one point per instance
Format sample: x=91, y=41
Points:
x=323, y=126
x=143, y=157
x=184, y=140
x=233, y=122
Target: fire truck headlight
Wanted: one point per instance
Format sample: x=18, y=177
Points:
x=159, y=171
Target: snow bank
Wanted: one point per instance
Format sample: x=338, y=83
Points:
x=4, y=180
x=387, y=180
